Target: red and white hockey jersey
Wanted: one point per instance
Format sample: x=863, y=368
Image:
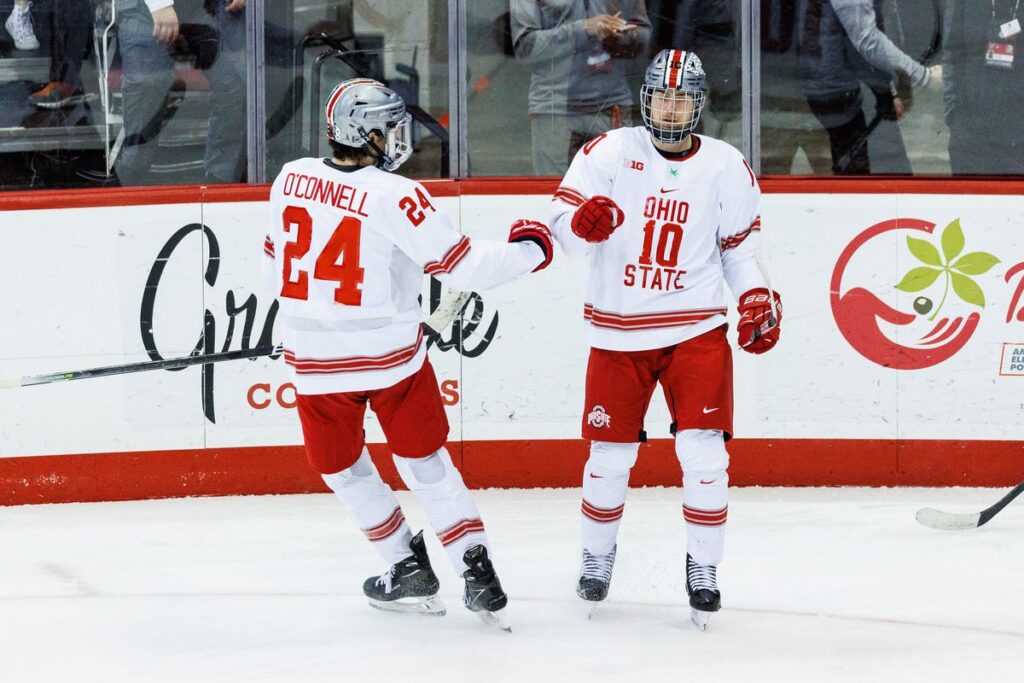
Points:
x=348, y=250
x=691, y=225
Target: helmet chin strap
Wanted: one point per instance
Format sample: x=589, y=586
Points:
x=377, y=152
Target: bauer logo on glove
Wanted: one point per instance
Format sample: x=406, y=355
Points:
x=760, y=317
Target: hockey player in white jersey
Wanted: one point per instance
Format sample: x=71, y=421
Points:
x=668, y=219
x=349, y=243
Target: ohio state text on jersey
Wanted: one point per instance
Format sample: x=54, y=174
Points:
x=348, y=247
x=691, y=226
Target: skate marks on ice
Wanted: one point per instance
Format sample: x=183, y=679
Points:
x=837, y=585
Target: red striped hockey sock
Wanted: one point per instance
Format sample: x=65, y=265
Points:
x=604, y=498
x=705, y=509
x=374, y=506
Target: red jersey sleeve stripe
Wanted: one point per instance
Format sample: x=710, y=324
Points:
x=569, y=196
x=451, y=258
x=733, y=241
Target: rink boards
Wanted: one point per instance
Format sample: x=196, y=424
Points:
x=870, y=384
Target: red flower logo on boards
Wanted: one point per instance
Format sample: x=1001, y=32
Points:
x=937, y=323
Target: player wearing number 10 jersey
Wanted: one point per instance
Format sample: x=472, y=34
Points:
x=349, y=243
x=668, y=219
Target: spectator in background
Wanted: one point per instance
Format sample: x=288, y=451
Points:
x=578, y=90
x=840, y=45
x=147, y=34
x=19, y=25
x=787, y=124
x=883, y=65
x=70, y=29
x=984, y=87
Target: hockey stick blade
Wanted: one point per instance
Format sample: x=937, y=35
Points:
x=451, y=305
x=947, y=521
x=952, y=521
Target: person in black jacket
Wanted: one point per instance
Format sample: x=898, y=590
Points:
x=983, y=70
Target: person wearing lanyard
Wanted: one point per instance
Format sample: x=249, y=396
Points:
x=984, y=87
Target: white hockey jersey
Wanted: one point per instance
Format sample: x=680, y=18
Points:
x=347, y=249
x=691, y=226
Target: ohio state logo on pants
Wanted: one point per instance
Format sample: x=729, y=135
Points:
x=598, y=418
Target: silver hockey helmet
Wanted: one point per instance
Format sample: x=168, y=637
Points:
x=673, y=95
x=361, y=105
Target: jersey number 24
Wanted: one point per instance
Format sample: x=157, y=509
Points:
x=343, y=245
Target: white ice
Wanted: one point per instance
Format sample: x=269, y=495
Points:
x=819, y=585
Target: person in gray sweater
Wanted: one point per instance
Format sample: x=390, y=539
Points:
x=843, y=44
x=578, y=89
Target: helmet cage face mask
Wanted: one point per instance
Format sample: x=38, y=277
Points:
x=359, y=106
x=673, y=95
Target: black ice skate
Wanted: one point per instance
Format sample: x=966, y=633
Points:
x=595, y=577
x=408, y=586
x=484, y=595
x=702, y=587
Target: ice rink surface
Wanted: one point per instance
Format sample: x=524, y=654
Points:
x=818, y=585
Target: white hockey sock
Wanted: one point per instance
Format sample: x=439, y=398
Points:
x=605, y=482
x=705, y=509
x=704, y=460
x=448, y=503
x=374, y=506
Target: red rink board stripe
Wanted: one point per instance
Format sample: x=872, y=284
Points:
x=42, y=200
x=140, y=475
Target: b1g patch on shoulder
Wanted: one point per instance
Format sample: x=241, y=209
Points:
x=598, y=418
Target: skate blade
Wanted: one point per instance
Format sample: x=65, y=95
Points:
x=590, y=608
x=431, y=606
x=700, y=618
x=495, y=619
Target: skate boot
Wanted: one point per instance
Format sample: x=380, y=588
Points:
x=408, y=586
x=595, y=576
x=702, y=587
x=484, y=595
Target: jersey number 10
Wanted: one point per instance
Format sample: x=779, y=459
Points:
x=343, y=244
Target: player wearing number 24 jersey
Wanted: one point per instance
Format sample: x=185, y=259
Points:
x=669, y=220
x=347, y=246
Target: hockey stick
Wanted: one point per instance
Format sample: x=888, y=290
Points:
x=450, y=306
x=166, y=364
x=953, y=521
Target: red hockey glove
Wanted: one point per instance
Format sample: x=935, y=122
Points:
x=596, y=219
x=525, y=230
x=759, y=320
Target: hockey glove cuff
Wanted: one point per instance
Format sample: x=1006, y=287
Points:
x=525, y=230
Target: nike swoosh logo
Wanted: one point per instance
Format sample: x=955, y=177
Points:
x=707, y=482
x=673, y=189
x=596, y=476
x=709, y=410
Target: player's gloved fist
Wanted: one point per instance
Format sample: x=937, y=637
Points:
x=525, y=230
x=596, y=219
x=760, y=317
